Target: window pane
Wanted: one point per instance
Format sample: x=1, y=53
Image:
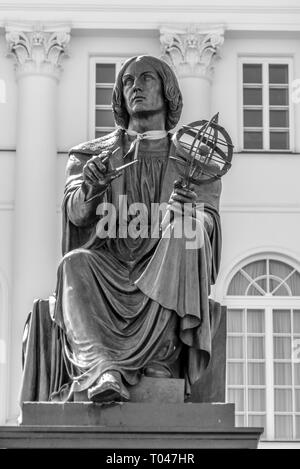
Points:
x=256, y=373
x=235, y=320
x=280, y=291
x=236, y=396
x=262, y=283
x=103, y=95
x=238, y=285
x=253, y=140
x=252, y=118
x=283, y=400
x=239, y=420
x=235, y=347
x=235, y=373
x=279, y=140
x=257, y=421
x=254, y=291
x=283, y=427
x=278, y=97
x=256, y=347
x=278, y=73
x=297, y=400
x=296, y=316
x=296, y=349
x=280, y=269
x=104, y=118
x=281, y=320
x=252, y=73
x=279, y=118
x=298, y=427
x=297, y=373
x=255, y=320
x=282, y=347
x=282, y=373
x=294, y=284
x=252, y=96
x=256, y=269
x=256, y=400
x=105, y=73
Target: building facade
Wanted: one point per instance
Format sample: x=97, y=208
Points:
x=57, y=67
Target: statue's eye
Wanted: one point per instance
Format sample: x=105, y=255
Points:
x=148, y=77
x=128, y=81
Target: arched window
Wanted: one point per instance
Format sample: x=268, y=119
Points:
x=266, y=277
x=263, y=346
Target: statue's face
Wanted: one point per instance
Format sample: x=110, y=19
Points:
x=142, y=88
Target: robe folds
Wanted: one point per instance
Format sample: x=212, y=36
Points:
x=124, y=302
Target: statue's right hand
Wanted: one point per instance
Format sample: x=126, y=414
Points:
x=97, y=173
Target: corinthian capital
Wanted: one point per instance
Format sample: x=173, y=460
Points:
x=37, y=49
x=191, y=51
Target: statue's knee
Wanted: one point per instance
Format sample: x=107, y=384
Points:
x=75, y=257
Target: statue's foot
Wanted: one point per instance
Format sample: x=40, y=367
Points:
x=109, y=388
x=157, y=370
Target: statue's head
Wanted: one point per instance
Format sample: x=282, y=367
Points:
x=166, y=92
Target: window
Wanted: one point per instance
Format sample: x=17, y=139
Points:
x=103, y=73
x=266, y=110
x=266, y=277
x=263, y=341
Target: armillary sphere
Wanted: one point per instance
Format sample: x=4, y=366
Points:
x=203, y=151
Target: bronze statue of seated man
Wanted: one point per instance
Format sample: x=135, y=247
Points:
x=129, y=303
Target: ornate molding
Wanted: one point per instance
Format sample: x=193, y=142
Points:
x=193, y=51
x=37, y=50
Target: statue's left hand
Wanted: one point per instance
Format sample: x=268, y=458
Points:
x=182, y=195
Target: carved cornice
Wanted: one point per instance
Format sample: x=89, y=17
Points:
x=37, y=50
x=192, y=52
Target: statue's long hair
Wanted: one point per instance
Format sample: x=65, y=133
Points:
x=172, y=93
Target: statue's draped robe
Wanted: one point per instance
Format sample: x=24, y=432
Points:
x=122, y=302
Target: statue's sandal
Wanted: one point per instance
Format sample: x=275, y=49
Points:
x=108, y=391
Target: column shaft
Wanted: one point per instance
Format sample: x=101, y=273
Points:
x=37, y=52
x=196, y=93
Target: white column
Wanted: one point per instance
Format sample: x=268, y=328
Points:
x=37, y=52
x=192, y=53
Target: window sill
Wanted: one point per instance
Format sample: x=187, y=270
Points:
x=268, y=152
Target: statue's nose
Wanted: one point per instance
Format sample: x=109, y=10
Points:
x=137, y=84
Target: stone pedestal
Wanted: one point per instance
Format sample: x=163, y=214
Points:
x=138, y=416
x=136, y=426
x=160, y=420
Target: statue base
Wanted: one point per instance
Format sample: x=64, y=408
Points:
x=129, y=425
x=157, y=417
x=129, y=415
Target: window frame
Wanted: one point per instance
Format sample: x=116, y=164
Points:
x=93, y=61
x=266, y=61
x=268, y=303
